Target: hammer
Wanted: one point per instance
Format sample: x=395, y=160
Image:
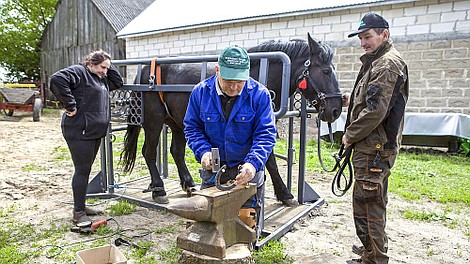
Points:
x=215, y=161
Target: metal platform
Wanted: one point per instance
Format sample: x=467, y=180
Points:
x=278, y=219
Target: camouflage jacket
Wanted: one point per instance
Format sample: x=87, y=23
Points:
x=377, y=105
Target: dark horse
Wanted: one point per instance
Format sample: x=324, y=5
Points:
x=310, y=61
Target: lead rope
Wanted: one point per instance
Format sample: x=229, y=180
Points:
x=341, y=183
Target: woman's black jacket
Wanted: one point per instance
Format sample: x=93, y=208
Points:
x=76, y=87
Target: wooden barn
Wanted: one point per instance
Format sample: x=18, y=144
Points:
x=81, y=26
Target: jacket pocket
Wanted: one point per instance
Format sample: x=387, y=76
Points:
x=243, y=128
x=96, y=125
x=212, y=124
x=376, y=140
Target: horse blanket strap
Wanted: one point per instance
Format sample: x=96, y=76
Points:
x=156, y=77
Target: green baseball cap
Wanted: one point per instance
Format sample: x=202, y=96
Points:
x=234, y=64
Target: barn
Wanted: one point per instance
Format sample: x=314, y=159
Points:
x=81, y=26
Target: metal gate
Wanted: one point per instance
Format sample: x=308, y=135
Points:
x=104, y=185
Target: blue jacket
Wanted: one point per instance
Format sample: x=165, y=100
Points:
x=248, y=135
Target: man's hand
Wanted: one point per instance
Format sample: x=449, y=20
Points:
x=345, y=142
x=206, y=161
x=247, y=173
x=345, y=99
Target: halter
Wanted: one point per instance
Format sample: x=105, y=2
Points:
x=304, y=80
x=341, y=183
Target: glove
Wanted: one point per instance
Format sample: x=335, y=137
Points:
x=247, y=173
x=206, y=161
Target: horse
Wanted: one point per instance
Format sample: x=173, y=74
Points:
x=311, y=64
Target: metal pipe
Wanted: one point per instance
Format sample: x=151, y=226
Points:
x=286, y=70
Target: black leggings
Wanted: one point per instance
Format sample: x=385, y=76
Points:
x=83, y=154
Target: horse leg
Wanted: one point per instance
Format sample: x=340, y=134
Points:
x=177, y=150
x=149, y=151
x=280, y=189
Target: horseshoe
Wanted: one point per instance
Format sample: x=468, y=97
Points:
x=217, y=180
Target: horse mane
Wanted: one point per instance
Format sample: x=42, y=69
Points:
x=295, y=48
x=326, y=54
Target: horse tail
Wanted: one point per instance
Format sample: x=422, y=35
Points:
x=128, y=155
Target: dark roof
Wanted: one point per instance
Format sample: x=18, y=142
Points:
x=120, y=12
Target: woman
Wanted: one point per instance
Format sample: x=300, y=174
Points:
x=83, y=90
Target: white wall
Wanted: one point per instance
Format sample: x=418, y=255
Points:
x=408, y=19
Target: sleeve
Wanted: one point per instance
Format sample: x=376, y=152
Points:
x=194, y=126
x=114, y=78
x=264, y=134
x=378, y=95
x=62, y=84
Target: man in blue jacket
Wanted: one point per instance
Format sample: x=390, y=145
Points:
x=232, y=112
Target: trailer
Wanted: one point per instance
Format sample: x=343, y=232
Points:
x=22, y=97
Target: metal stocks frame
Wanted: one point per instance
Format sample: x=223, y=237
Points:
x=103, y=185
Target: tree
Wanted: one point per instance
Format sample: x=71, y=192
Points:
x=21, y=25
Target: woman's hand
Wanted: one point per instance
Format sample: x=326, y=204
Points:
x=68, y=113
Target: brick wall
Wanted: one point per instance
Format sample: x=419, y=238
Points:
x=438, y=71
x=433, y=36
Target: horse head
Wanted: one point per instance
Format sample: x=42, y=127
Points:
x=318, y=82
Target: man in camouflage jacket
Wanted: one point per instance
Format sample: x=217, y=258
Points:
x=374, y=128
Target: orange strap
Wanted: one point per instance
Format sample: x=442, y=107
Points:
x=156, y=75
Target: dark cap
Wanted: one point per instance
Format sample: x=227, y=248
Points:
x=370, y=20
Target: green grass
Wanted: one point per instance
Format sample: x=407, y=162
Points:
x=430, y=216
x=60, y=154
x=415, y=177
x=272, y=253
x=438, y=177
x=121, y=208
x=50, y=111
x=21, y=241
x=171, y=255
x=442, y=178
x=33, y=167
x=423, y=216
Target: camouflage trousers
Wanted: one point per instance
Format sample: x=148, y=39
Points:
x=370, y=199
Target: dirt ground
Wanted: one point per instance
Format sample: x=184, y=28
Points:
x=38, y=195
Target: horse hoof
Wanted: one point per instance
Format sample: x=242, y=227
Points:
x=190, y=191
x=154, y=189
x=160, y=199
x=191, y=187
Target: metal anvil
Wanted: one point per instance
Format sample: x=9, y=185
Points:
x=217, y=225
